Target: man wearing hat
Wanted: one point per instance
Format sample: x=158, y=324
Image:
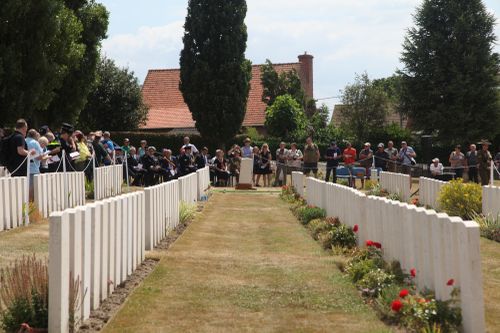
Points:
x=66, y=140
x=333, y=156
x=436, y=168
x=247, y=150
x=101, y=155
x=381, y=157
x=484, y=162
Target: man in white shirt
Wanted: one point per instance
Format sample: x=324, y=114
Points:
x=436, y=168
x=187, y=143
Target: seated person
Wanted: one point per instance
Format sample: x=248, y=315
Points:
x=168, y=165
x=203, y=159
x=186, y=162
x=235, y=165
x=135, y=169
x=152, y=166
x=221, y=168
x=436, y=168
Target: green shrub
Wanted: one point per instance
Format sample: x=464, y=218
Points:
x=490, y=226
x=306, y=214
x=358, y=270
x=89, y=189
x=375, y=281
x=459, y=199
x=325, y=239
x=318, y=226
x=343, y=236
x=186, y=212
x=24, y=294
x=384, y=300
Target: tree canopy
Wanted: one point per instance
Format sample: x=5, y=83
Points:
x=215, y=76
x=115, y=101
x=278, y=84
x=285, y=117
x=449, y=79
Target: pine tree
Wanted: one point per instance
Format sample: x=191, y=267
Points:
x=449, y=80
x=215, y=76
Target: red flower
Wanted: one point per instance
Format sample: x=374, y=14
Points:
x=397, y=305
x=355, y=228
x=377, y=245
x=413, y=272
x=450, y=282
x=403, y=293
x=369, y=243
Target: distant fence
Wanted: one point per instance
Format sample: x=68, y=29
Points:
x=429, y=191
x=108, y=181
x=438, y=246
x=298, y=182
x=188, y=188
x=4, y=172
x=100, y=244
x=396, y=183
x=203, y=181
x=162, y=211
x=491, y=200
x=57, y=191
x=13, y=212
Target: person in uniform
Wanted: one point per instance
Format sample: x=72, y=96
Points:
x=484, y=162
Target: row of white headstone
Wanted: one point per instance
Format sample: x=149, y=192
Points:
x=491, y=201
x=108, y=181
x=188, y=187
x=58, y=191
x=429, y=190
x=439, y=247
x=101, y=244
x=397, y=183
x=13, y=209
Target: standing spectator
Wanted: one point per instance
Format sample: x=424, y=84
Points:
x=143, y=148
x=83, y=148
x=256, y=164
x=392, y=152
x=366, y=161
x=349, y=156
x=54, y=148
x=101, y=155
x=457, y=161
x=33, y=145
x=265, y=165
x=436, y=168
x=311, y=157
x=126, y=146
x=407, y=158
x=188, y=144
x=67, y=143
x=247, y=150
x=472, y=163
x=281, y=155
x=220, y=166
x=294, y=158
x=203, y=159
x=333, y=155
x=484, y=162
x=382, y=158
x=17, y=151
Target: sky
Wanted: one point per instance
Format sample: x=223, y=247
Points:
x=346, y=37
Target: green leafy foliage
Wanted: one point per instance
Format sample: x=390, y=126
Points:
x=215, y=76
x=461, y=199
x=284, y=83
x=318, y=226
x=490, y=226
x=186, y=212
x=285, y=117
x=116, y=100
x=375, y=281
x=306, y=214
x=450, y=71
x=342, y=236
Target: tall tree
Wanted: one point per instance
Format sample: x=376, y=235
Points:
x=115, y=102
x=285, y=117
x=449, y=75
x=365, y=107
x=39, y=42
x=278, y=84
x=71, y=97
x=215, y=76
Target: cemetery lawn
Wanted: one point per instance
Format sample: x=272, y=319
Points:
x=246, y=264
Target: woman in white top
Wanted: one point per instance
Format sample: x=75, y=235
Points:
x=294, y=158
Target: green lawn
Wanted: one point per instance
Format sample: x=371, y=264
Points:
x=246, y=264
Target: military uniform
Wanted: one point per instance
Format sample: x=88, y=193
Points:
x=484, y=164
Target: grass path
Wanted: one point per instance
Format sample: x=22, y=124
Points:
x=245, y=265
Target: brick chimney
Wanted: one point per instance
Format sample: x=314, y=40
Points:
x=306, y=73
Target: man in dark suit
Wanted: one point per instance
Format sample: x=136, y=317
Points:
x=203, y=159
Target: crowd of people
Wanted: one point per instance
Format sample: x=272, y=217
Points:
x=145, y=165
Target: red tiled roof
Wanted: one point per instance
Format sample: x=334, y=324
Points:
x=167, y=109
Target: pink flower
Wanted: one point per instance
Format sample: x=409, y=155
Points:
x=450, y=282
x=397, y=305
x=403, y=293
x=355, y=228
